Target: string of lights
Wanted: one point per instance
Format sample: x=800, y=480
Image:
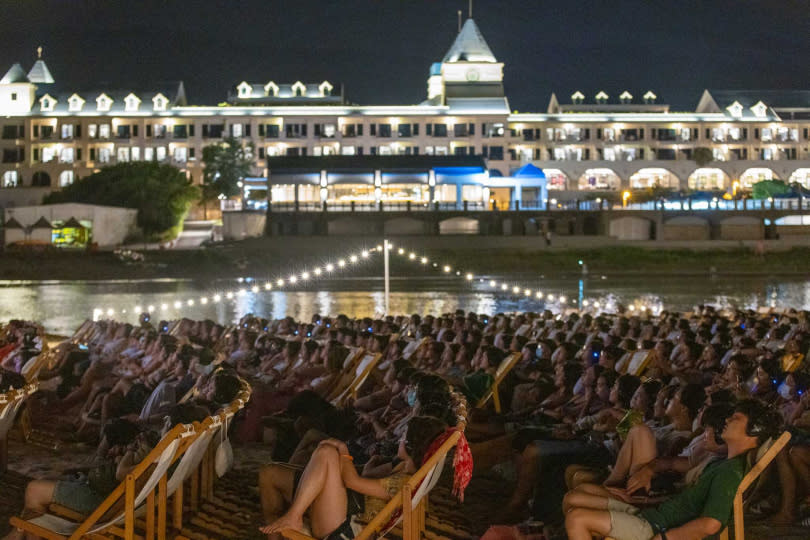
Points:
x=351, y=261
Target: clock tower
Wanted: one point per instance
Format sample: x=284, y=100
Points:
x=468, y=70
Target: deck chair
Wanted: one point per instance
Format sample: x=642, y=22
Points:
x=346, y=375
x=638, y=362
x=410, y=501
x=54, y=527
x=10, y=406
x=504, y=368
x=362, y=370
x=412, y=348
x=763, y=460
x=32, y=368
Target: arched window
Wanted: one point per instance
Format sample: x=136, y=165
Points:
x=41, y=179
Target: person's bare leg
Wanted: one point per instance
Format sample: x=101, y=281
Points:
x=584, y=523
x=800, y=461
x=322, y=476
x=527, y=473
x=639, y=449
x=276, y=485
x=590, y=496
x=787, y=480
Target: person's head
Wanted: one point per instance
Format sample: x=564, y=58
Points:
x=225, y=388
x=421, y=432
x=120, y=432
x=713, y=421
x=751, y=424
x=687, y=402
x=604, y=384
x=622, y=392
x=643, y=399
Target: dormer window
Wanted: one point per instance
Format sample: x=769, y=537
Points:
x=160, y=102
x=325, y=88
x=735, y=109
x=244, y=89
x=601, y=97
x=577, y=98
x=271, y=89
x=649, y=97
x=103, y=103
x=131, y=103
x=46, y=103
x=75, y=103
x=299, y=90
x=760, y=110
x=626, y=97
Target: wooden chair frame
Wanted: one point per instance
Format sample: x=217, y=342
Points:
x=359, y=378
x=126, y=490
x=504, y=368
x=752, y=475
x=413, y=516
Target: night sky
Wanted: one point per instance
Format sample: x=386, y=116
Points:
x=381, y=49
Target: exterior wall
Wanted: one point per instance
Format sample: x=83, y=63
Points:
x=110, y=225
x=544, y=140
x=630, y=228
x=241, y=225
x=685, y=228
x=742, y=228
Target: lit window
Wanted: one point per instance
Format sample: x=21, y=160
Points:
x=11, y=179
x=48, y=153
x=122, y=155
x=67, y=131
x=103, y=102
x=160, y=153
x=66, y=155
x=131, y=103
x=348, y=151
x=92, y=131
x=75, y=103
x=65, y=178
x=47, y=103
x=148, y=153
x=159, y=102
x=244, y=89
x=181, y=154
x=735, y=109
x=136, y=153
x=104, y=131
x=104, y=155
x=236, y=130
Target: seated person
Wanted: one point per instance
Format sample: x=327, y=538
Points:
x=699, y=511
x=322, y=489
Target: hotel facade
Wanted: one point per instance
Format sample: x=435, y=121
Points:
x=50, y=136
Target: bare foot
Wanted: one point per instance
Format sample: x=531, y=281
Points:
x=286, y=521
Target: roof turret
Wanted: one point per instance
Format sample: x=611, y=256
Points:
x=469, y=46
x=40, y=74
x=14, y=75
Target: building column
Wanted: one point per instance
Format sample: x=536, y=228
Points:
x=459, y=195
x=296, y=196
x=518, y=196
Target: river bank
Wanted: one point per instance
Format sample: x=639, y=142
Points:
x=261, y=257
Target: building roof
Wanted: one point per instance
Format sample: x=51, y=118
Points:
x=775, y=99
x=14, y=75
x=529, y=171
x=370, y=163
x=42, y=223
x=40, y=74
x=469, y=46
x=174, y=92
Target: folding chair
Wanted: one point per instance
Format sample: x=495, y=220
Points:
x=361, y=372
x=151, y=471
x=11, y=404
x=763, y=460
x=410, y=501
x=504, y=368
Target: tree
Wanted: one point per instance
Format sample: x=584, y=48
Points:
x=702, y=156
x=161, y=193
x=769, y=188
x=226, y=164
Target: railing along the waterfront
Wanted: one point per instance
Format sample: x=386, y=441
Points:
x=797, y=204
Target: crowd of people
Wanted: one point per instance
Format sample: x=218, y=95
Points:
x=629, y=424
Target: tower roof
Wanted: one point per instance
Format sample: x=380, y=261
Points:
x=14, y=75
x=469, y=46
x=40, y=73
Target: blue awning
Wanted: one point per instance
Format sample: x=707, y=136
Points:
x=529, y=171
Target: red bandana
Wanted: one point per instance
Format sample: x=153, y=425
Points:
x=462, y=461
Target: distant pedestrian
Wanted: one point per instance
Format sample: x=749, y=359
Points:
x=548, y=238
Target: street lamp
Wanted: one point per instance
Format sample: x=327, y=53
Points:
x=625, y=198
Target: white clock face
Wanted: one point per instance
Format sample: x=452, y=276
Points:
x=473, y=74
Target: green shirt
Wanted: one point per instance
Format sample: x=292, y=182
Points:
x=712, y=497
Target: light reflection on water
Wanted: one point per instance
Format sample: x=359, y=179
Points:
x=61, y=306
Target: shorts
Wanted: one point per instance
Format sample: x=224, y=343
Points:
x=625, y=523
x=77, y=496
x=355, y=502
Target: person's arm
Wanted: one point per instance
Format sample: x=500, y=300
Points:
x=642, y=478
x=697, y=528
